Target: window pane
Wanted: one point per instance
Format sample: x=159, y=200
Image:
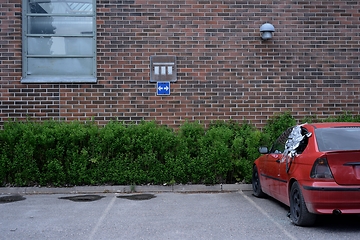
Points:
x=60, y=66
x=60, y=25
x=332, y=139
x=60, y=46
x=41, y=25
x=61, y=6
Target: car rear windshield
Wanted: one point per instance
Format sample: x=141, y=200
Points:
x=338, y=138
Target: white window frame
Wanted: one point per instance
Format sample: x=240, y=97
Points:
x=74, y=77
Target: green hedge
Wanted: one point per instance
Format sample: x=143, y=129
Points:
x=56, y=153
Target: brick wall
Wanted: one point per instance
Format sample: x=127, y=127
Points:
x=310, y=66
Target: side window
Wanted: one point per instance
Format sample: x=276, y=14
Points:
x=59, y=41
x=294, y=139
x=279, y=144
x=304, y=142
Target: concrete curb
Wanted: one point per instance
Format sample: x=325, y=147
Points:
x=127, y=189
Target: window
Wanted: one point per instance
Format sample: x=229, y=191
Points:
x=338, y=138
x=279, y=144
x=293, y=139
x=59, y=41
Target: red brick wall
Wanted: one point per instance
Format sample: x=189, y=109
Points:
x=310, y=67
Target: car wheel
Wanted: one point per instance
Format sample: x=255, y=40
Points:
x=299, y=213
x=257, y=191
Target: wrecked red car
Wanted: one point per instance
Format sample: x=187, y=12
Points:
x=312, y=168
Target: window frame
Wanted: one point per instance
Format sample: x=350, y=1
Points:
x=27, y=78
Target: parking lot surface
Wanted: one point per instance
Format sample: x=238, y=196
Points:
x=163, y=215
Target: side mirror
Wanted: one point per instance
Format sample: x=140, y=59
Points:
x=263, y=150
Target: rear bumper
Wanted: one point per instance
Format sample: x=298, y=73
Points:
x=325, y=197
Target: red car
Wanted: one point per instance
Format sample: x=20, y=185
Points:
x=313, y=169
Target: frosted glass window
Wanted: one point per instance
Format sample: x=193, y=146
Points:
x=59, y=40
x=60, y=46
x=59, y=66
x=60, y=25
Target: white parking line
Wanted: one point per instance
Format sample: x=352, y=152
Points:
x=268, y=216
x=101, y=219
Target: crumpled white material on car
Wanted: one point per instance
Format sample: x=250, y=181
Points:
x=293, y=143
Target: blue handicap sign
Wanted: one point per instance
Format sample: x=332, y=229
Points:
x=163, y=88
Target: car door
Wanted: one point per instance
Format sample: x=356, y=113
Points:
x=270, y=172
x=297, y=140
x=272, y=164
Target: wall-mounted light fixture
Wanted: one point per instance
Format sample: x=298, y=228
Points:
x=266, y=31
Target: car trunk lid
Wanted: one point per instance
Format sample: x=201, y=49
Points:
x=345, y=166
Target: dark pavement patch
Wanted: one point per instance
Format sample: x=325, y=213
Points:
x=11, y=198
x=83, y=198
x=138, y=197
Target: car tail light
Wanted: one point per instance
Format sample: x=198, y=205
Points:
x=321, y=169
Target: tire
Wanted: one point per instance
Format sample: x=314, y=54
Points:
x=299, y=213
x=256, y=185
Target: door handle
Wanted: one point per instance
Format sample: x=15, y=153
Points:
x=278, y=161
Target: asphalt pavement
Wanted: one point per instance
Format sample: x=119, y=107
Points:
x=157, y=212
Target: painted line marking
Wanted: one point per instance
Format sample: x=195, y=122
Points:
x=268, y=216
x=101, y=219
